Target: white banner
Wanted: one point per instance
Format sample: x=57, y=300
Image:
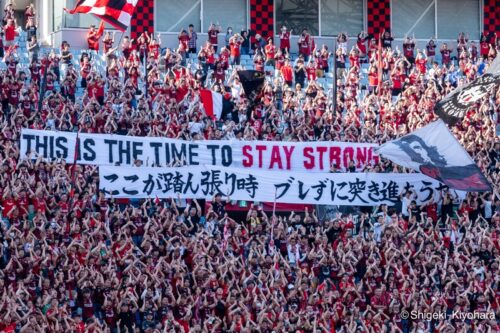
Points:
x=359, y=189
x=435, y=152
x=105, y=149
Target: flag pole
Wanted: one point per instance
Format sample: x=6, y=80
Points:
x=75, y=158
x=380, y=75
x=273, y=219
x=43, y=86
x=121, y=38
x=146, y=72
x=334, y=92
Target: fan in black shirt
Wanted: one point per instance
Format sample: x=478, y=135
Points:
x=193, y=216
x=218, y=205
x=126, y=314
x=334, y=231
x=387, y=39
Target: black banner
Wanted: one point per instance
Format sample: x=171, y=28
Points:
x=252, y=82
x=453, y=107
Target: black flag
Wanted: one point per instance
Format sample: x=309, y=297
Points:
x=453, y=107
x=252, y=82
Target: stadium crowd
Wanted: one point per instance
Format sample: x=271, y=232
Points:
x=73, y=261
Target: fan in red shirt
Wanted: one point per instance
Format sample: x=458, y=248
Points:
x=287, y=73
x=270, y=51
x=431, y=50
x=224, y=56
x=9, y=204
x=213, y=33
x=304, y=44
x=219, y=72
x=154, y=46
x=279, y=59
x=354, y=56
x=361, y=43
x=421, y=62
x=311, y=70
x=445, y=54
x=235, y=46
x=85, y=68
x=10, y=31
x=183, y=42
x=94, y=35
x=285, y=39
x=372, y=78
x=484, y=46
x=396, y=81
x=108, y=41
x=409, y=49
x=127, y=47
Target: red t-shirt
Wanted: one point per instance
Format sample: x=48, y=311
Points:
x=373, y=79
x=311, y=73
x=224, y=58
x=85, y=70
x=210, y=58
x=287, y=73
x=270, y=51
x=431, y=50
x=10, y=33
x=8, y=206
x=304, y=46
x=212, y=36
x=280, y=62
x=485, y=48
x=396, y=81
x=108, y=44
x=183, y=42
x=432, y=211
x=259, y=65
x=420, y=63
x=408, y=49
x=361, y=44
x=235, y=48
x=93, y=41
x=155, y=50
x=446, y=56
x=285, y=40
x=11, y=328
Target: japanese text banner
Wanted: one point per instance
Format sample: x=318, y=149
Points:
x=107, y=149
x=359, y=189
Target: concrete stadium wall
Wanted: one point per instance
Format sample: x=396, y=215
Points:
x=76, y=38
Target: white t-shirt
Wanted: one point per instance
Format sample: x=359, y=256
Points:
x=488, y=210
x=405, y=204
x=236, y=92
x=195, y=127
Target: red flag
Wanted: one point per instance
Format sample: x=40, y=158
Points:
x=118, y=13
x=100, y=30
x=212, y=102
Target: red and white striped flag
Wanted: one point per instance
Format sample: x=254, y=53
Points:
x=118, y=13
x=212, y=102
